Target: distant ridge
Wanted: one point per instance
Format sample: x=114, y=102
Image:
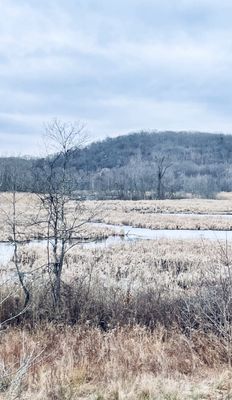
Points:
x=127, y=166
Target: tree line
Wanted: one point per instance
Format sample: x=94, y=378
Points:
x=135, y=166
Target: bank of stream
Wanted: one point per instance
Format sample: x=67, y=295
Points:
x=126, y=233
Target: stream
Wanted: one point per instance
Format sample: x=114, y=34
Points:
x=126, y=233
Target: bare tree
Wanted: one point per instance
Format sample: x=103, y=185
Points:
x=14, y=219
x=64, y=212
x=163, y=164
x=16, y=255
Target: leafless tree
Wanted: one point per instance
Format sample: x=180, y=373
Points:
x=163, y=164
x=64, y=212
x=14, y=220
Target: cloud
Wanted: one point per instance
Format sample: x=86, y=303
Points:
x=119, y=66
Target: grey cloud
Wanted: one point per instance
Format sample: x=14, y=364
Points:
x=119, y=66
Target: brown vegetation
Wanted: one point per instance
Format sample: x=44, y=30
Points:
x=142, y=320
x=155, y=214
x=124, y=363
x=167, y=214
x=148, y=320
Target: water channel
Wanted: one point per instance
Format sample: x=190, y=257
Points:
x=126, y=233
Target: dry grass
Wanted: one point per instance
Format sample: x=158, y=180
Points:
x=30, y=218
x=161, y=214
x=163, y=263
x=124, y=363
x=156, y=214
x=224, y=196
x=149, y=282
x=144, y=320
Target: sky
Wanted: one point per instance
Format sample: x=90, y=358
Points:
x=116, y=66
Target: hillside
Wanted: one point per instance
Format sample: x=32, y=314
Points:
x=197, y=163
x=197, y=147
x=140, y=165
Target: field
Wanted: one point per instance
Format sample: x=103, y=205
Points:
x=154, y=214
x=141, y=320
x=168, y=214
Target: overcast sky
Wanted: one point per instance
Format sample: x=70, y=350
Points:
x=116, y=65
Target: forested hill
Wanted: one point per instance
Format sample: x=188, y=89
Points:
x=129, y=166
x=203, y=148
x=139, y=165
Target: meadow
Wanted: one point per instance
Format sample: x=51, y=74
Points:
x=140, y=320
x=167, y=214
x=155, y=214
